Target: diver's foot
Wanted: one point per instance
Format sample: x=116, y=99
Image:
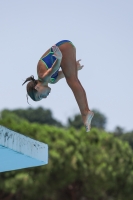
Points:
x=87, y=121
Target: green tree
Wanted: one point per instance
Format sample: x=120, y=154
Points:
x=127, y=137
x=75, y=122
x=39, y=115
x=94, y=165
x=118, y=131
x=99, y=120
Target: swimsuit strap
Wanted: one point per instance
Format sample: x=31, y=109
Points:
x=39, y=79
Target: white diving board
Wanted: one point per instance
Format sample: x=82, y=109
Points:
x=18, y=151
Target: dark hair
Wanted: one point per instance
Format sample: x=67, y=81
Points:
x=31, y=91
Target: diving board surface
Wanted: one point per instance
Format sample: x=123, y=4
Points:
x=18, y=151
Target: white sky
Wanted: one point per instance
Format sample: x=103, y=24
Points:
x=102, y=32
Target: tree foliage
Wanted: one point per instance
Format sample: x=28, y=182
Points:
x=118, y=131
x=39, y=115
x=89, y=166
x=127, y=137
x=99, y=120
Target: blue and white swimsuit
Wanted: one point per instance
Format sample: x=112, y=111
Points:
x=48, y=59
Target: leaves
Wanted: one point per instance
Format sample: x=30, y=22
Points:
x=38, y=115
x=94, y=165
x=99, y=120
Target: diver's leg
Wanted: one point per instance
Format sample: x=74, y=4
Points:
x=69, y=69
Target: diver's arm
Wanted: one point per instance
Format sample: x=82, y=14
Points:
x=61, y=74
x=56, y=65
x=59, y=77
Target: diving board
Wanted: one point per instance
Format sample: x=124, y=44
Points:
x=18, y=151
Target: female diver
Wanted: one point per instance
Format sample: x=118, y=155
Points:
x=63, y=55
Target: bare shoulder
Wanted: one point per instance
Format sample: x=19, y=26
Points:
x=41, y=69
x=41, y=66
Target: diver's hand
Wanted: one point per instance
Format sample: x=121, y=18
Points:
x=57, y=53
x=79, y=66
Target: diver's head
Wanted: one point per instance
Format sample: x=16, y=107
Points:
x=36, y=90
x=42, y=91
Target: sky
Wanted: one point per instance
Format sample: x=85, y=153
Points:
x=102, y=32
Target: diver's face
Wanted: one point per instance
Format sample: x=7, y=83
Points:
x=42, y=92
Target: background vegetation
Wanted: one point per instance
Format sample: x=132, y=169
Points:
x=82, y=166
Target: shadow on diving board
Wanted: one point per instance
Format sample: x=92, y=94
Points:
x=18, y=151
